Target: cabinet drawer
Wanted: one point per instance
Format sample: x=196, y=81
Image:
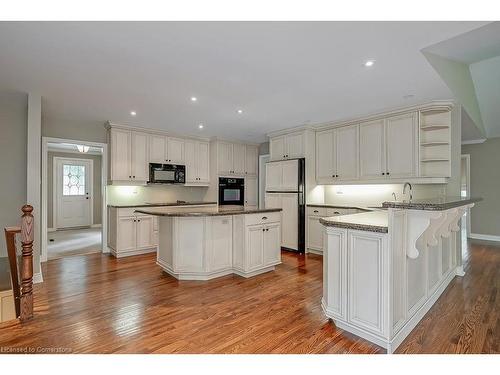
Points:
x=316, y=211
x=338, y=211
x=263, y=218
x=127, y=212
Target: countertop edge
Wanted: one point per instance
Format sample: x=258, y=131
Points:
x=430, y=206
x=202, y=214
x=363, y=227
x=161, y=205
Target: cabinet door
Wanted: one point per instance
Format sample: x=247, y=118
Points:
x=277, y=148
x=225, y=157
x=290, y=179
x=295, y=145
x=145, y=229
x=272, y=244
x=274, y=176
x=325, y=156
x=254, y=246
x=366, y=270
x=157, y=149
x=314, y=233
x=346, y=152
x=372, y=150
x=175, y=150
x=290, y=221
x=140, y=157
x=251, y=160
x=401, y=146
x=191, y=161
x=203, y=162
x=251, y=189
x=239, y=158
x=221, y=247
x=126, y=237
x=273, y=200
x=120, y=155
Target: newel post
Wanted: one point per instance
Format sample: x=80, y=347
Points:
x=27, y=263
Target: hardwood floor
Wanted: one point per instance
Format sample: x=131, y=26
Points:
x=98, y=304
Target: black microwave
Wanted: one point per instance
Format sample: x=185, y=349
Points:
x=167, y=173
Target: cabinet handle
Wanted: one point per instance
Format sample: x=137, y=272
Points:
x=315, y=211
x=264, y=217
x=383, y=174
x=336, y=175
x=267, y=229
x=263, y=230
x=337, y=213
x=133, y=176
x=387, y=173
x=129, y=176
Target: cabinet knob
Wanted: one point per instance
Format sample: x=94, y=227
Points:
x=388, y=173
x=129, y=176
x=337, y=213
x=383, y=174
x=316, y=211
x=336, y=175
x=264, y=217
x=133, y=176
x=267, y=229
x=263, y=230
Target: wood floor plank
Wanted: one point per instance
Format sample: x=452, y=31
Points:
x=98, y=304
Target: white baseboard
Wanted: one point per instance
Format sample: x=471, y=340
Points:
x=485, y=237
x=96, y=226
x=37, y=278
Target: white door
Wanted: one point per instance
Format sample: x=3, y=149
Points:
x=175, y=150
x=401, y=146
x=290, y=221
x=290, y=179
x=272, y=244
x=325, y=156
x=277, y=148
x=239, y=158
x=255, y=246
x=190, y=159
x=371, y=150
x=145, y=237
x=251, y=158
x=294, y=146
x=274, y=176
x=251, y=191
x=225, y=157
x=139, y=152
x=73, y=192
x=157, y=149
x=203, y=162
x=120, y=155
x=346, y=147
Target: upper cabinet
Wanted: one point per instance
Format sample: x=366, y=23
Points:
x=197, y=162
x=337, y=154
x=129, y=156
x=237, y=159
x=288, y=146
x=166, y=150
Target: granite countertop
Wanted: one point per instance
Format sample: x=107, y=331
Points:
x=326, y=205
x=375, y=221
x=163, y=204
x=216, y=211
x=431, y=204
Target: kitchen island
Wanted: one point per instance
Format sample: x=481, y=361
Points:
x=383, y=270
x=209, y=242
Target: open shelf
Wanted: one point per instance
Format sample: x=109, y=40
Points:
x=431, y=144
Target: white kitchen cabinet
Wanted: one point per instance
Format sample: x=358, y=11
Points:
x=372, y=149
x=289, y=146
x=282, y=175
x=314, y=233
x=239, y=151
x=197, y=162
x=346, y=153
x=131, y=234
x=288, y=202
x=166, y=150
x=220, y=243
x=225, y=158
x=129, y=156
x=272, y=244
x=175, y=150
x=251, y=189
x=401, y=141
x=325, y=156
x=251, y=160
x=255, y=246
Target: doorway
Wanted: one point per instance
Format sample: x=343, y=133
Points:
x=73, y=198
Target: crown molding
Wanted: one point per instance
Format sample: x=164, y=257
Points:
x=111, y=125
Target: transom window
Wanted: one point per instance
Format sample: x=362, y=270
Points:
x=73, y=179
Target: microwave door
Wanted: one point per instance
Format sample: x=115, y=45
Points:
x=164, y=176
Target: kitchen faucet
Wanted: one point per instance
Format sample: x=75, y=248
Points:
x=404, y=190
x=394, y=195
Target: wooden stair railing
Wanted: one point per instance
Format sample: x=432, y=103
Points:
x=22, y=277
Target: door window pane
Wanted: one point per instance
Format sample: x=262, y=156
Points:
x=73, y=179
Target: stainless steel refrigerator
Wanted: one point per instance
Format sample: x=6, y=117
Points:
x=285, y=189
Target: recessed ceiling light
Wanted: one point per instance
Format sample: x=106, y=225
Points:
x=194, y=98
x=133, y=113
x=369, y=63
x=200, y=126
x=240, y=111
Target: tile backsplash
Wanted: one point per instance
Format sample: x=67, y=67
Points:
x=155, y=193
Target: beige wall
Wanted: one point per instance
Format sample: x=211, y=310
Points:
x=69, y=129
x=485, y=183
x=97, y=208
x=13, y=126
x=264, y=148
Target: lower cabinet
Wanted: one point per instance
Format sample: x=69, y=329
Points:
x=130, y=234
x=289, y=203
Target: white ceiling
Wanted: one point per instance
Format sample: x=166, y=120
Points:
x=282, y=74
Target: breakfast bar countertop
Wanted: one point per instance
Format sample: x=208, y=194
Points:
x=431, y=204
x=161, y=204
x=375, y=221
x=209, y=211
